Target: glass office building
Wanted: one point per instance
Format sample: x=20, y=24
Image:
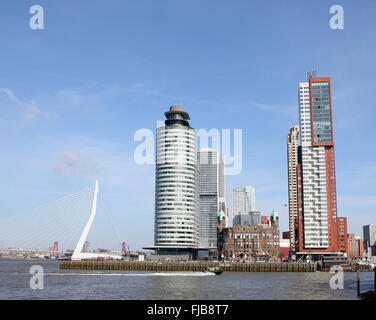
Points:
x=211, y=191
x=176, y=186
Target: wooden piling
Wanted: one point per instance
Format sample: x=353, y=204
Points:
x=357, y=282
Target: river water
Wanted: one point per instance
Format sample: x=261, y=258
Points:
x=89, y=284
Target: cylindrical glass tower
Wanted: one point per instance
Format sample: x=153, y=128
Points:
x=176, y=185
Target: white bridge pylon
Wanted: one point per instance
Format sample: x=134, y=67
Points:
x=77, y=253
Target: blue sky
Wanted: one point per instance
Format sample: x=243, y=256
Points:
x=74, y=94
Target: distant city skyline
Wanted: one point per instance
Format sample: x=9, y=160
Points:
x=243, y=200
x=73, y=95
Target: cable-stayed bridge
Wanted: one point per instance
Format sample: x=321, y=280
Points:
x=67, y=220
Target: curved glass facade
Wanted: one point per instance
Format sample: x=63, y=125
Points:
x=176, y=187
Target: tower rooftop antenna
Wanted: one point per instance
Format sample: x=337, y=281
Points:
x=311, y=74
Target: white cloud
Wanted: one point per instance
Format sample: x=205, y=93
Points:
x=30, y=110
x=71, y=162
x=288, y=110
x=10, y=94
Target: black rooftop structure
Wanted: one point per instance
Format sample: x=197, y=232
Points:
x=177, y=115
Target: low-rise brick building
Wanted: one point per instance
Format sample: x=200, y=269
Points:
x=249, y=241
x=355, y=247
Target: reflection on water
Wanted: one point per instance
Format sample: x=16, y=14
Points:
x=89, y=284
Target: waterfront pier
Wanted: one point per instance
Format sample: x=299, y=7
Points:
x=188, y=266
